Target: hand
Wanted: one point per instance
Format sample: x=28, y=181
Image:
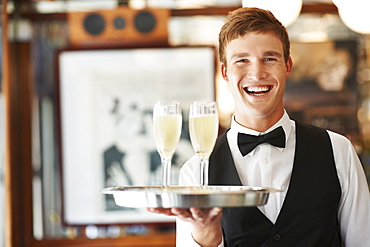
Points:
x=206, y=222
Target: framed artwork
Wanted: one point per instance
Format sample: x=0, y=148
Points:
x=106, y=98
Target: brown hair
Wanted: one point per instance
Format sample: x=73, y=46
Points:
x=243, y=20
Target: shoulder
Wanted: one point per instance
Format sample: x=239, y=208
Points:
x=345, y=156
x=339, y=142
x=335, y=138
x=342, y=146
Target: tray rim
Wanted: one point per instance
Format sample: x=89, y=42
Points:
x=171, y=189
x=157, y=196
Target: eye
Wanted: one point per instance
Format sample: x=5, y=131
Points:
x=270, y=59
x=242, y=60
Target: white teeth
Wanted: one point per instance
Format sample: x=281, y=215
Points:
x=258, y=89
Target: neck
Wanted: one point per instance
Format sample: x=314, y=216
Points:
x=260, y=124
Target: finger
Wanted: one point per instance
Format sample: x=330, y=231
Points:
x=183, y=214
x=207, y=215
x=215, y=211
x=198, y=214
x=165, y=211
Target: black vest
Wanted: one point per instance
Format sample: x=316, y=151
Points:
x=309, y=213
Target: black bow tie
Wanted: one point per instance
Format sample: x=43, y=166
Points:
x=247, y=142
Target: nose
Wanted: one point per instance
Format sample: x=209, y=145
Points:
x=256, y=71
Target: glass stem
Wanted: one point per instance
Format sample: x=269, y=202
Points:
x=204, y=166
x=166, y=171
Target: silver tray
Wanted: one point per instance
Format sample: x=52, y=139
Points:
x=189, y=196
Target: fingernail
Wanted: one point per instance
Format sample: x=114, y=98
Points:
x=217, y=210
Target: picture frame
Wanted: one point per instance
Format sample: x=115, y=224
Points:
x=105, y=103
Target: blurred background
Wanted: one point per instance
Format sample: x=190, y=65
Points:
x=330, y=88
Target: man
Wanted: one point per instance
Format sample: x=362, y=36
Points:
x=325, y=199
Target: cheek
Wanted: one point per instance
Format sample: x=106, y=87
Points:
x=235, y=75
x=282, y=86
x=236, y=91
x=233, y=81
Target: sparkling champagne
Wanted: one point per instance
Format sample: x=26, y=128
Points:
x=203, y=133
x=167, y=131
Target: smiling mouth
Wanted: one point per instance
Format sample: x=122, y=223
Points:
x=257, y=90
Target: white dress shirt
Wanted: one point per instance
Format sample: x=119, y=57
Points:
x=269, y=166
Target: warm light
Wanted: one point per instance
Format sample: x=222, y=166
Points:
x=354, y=14
x=286, y=11
x=71, y=6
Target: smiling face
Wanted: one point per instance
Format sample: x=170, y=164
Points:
x=257, y=71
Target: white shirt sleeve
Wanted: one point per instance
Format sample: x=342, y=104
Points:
x=354, y=207
x=189, y=175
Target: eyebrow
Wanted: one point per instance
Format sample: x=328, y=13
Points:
x=266, y=53
x=272, y=53
x=239, y=55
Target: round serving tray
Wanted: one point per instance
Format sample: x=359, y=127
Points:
x=189, y=196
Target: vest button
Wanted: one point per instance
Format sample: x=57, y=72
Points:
x=277, y=236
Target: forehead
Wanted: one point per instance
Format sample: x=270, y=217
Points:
x=255, y=43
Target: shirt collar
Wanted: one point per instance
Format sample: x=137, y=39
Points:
x=283, y=122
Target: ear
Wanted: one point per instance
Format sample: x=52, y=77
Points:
x=289, y=67
x=224, y=72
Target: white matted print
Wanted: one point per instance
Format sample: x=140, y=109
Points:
x=106, y=100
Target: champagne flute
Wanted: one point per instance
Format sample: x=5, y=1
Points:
x=167, y=121
x=203, y=127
